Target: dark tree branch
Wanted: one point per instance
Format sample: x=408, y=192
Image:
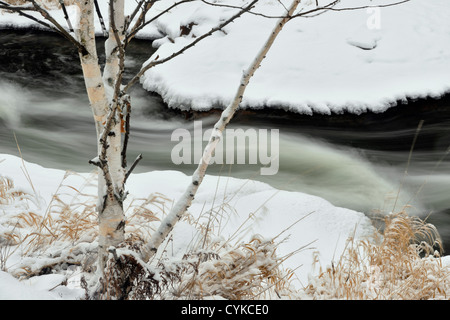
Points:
x=135, y=163
x=7, y=6
x=55, y=26
x=20, y=10
x=126, y=113
x=331, y=7
x=66, y=16
x=100, y=17
x=141, y=23
x=145, y=6
x=58, y=27
x=310, y=13
x=134, y=13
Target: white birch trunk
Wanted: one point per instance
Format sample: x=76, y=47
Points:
x=110, y=77
x=185, y=201
x=110, y=210
x=112, y=218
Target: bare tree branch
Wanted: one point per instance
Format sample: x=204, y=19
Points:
x=331, y=7
x=55, y=26
x=20, y=10
x=135, y=163
x=310, y=13
x=141, y=23
x=134, y=13
x=126, y=113
x=100, y=18
x=145, y=6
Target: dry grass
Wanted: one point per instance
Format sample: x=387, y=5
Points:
x=15, y=199
x=404, y=266
x=8, y=193
x=141, y=213
x=249, y=270
x=49, y=234
x=211, y=267
x=70, y=217
x=71, y=214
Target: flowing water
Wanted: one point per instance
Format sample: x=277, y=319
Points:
x=363, y=162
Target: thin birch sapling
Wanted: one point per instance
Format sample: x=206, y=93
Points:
x=181, y=206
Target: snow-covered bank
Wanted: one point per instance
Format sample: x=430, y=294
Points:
x=334, y=62
x=354, y=60
x=323, y=230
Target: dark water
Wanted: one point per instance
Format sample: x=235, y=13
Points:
x=354, y=161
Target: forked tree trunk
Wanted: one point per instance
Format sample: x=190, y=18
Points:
x=110, y=209
x=112, y=219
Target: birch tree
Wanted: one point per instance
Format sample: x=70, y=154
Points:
x=111, y=104
x=108, y=97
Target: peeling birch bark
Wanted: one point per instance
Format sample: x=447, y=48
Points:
x=90, y=66
x=185, y=201
x=110, y=208
x=112, y=81
x=112, y=218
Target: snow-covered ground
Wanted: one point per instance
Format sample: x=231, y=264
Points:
x=323, y=230
x=353, y=60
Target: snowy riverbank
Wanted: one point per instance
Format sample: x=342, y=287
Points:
x=354, y=60
x=330, y=63
x=323, y=230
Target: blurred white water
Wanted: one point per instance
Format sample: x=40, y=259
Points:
x=11, y=103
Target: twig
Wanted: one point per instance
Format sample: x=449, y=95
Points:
x=127, y=110
x=135, y=163
x=419, y=127
x=100, y=17
x=140, y=23
x=66, y=16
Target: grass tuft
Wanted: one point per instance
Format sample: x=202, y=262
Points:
x=405, y=265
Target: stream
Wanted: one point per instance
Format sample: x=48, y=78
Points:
x=363, y=162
